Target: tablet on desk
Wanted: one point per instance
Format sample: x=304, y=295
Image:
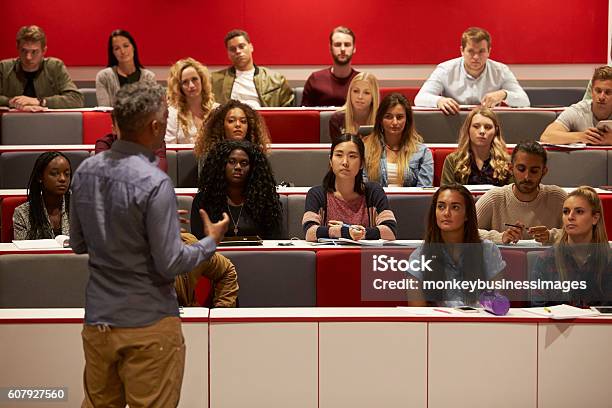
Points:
x=241, y=241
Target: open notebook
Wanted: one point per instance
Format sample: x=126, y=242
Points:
x=561, y=312
x=59, y=242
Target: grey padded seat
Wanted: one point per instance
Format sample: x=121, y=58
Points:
x=436, y=127
x=411, y=214
x=303, y=168
x=285, y=216
x=274, y=278
x=42, y=128
x=43, y=280
x=171, y=159
x=577, y=168
x=524, y=125
x=554, y=96
x=89, y=94
x=295, y=212
x=184, y=203
x=324, y=117
x=297, y=93
x=16, y=167
x=186, y=169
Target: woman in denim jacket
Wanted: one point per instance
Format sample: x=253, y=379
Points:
x=395, y=153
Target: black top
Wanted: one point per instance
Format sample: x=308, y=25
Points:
x=130, y=79
x=484, y=175
x=28, y=89
x=240, y=219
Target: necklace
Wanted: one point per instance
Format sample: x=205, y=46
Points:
x=397, y=149
x=232, y=218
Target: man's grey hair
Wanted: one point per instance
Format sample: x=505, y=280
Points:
x=135, y=103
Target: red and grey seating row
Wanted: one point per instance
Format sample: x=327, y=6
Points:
x=305, y=166
x=286, y=126
x=318, y=277
x=410, y=210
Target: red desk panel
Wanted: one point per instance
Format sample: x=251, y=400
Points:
x=292, y=126
x=96, y=125
x=339, y=280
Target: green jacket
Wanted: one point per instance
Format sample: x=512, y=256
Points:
x=272, y=87
x=52, y=83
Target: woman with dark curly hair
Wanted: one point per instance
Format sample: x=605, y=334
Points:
x=46, y=213
x=236, y=178
x=232, y=120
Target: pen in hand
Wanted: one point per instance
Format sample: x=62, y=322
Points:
x=355, y=227
x=513, y=225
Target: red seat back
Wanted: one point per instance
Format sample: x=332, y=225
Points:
x=96, y=125
x=292, y=126
x=439, y=154
x=339, y=280
x=8, y=206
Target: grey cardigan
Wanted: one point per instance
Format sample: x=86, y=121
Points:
x=107, y=84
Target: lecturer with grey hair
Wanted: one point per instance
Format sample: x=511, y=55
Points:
x=123, y=214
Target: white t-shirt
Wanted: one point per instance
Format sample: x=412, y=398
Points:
x=174, y=132
x=392, y=178
x=244, y=89
x=579, y=117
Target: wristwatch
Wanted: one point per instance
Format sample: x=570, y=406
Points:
x=42, y=102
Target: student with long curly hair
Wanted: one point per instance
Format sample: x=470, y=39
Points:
x=344, y=205
x=46, y=213
x=582, y=253
x=454, y=247
x=481, y=156
x=360, y=106
x=190, y=100
x=232, y=120
x=395, y=152
x=236, y=179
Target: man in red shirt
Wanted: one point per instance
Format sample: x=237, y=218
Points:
x=329, y=86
